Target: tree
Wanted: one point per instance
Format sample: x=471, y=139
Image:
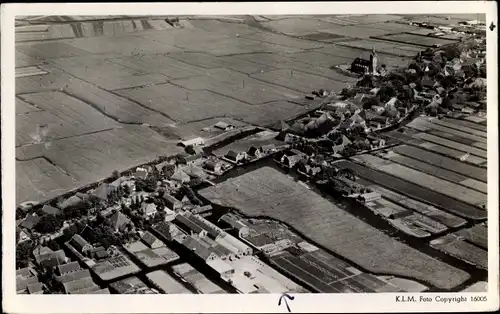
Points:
x=23, y=251
x=196, y=180
x=115, y=175
x=53, y=245
x=48, y=224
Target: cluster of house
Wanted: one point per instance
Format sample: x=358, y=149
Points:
x=131, y=285
x=253, y=153
x=27, y=282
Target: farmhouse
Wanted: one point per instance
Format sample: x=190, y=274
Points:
x=193, y=142
x=180, y=177
x=234, y=156
x=80, y=244
x=223, y=126
x=254, y=152
x=70, y=202
x=119, y=221
x=213, y=166
x=141, y=173
x=171, y=202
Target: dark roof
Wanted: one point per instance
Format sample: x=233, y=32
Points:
x=30, y=221
x=232, y=154
x=199, y=221
x=260, y=240
x=68, y=268
x=118, y=220
x=24, y=272
x=79, y=274
x=78, y=242
x=222, y=125
x=51, y=262
x=22, y=284
x=197, y=247
x=232, y=221
x=101, y=254
x=210, y=165
x=50, y=210
x=148, y=238
x=187, y=225
x=170, y=200
x=36, y=287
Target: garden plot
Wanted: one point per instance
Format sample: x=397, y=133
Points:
x=184, y=105
x=356, y=31
x=238, y=86
x=454, y=246
x=422, y=125
x=384, y=47
x=268, y=192
x=436, y=171
x=318, y=59
x=23, y=60
x=53, y=81
x=92, y=157
x=459, y=127
x=446, y=151
x=300, y=81
x=451, y=144
x=296, y=26
x=122, y=46
x=225, y=28
x=466, y=123
x=417, y=192
x=431, y=182
x=68, y=117
x=477, y=235
x=443, y=162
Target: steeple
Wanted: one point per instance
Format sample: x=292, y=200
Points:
x=373, y=61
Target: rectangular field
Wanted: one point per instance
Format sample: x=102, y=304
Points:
x=453, y=245
x=437, y=172
x=423, y=125
x=466, y=123
x=451, y=144
x=417, y=39
x=442, y=162
x=477, y=235
x=427, y=181
x=446, y=151
x=460, y=127
x=268, y=192
x=415, y=191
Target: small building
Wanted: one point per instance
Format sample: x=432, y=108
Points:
x=291, y=160
x=234, y=223
x=221, y=267
x=254, y=152
x=167, y=230
x=223, y=126
x=213, y=166
x=141, y=173
x=73, y=200
x=50, y=210
x=193, y=142
x=148, y=209
x=151, y=241
x=234, y=245
x=68, y=268
x=234, y=156
x=195, y=246
x=80, y=244
x=180, y=177
x=23, y=236
x=102, y=192
x=171, y=202
x=119, y=221
x=30, y=221
x=99, y=253
x=268, y=149
x=188, y=226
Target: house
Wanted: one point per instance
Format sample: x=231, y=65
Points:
x=22, y=236
x=30, y=221
x=234, y=156
x=80, y=244
x=99, y=253
x=50, y=210
x=68, y=268
x=235, y=224
x=193, y=142
x=291, y=160
x=369, y=197
x=254, y=152
x=22, y=283
x=141, y=173
x=180, y=177
x=189, y=226
x=194, y=245
x=148, y=209
x=194, y=171
x=223, y=126
x=268, y=149
x=43, y=253
x=167, y=230
x=203, y=210
x=212, y=231
x=382, y=120
x=119, y=221
x=171, y=202
x=35, y=288
x=151, y=241
x=73, y=200
x=213, y=166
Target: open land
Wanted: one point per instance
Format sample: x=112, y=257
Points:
x=267, y=192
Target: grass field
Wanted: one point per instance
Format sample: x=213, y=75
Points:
x=268, y=192
x=424, y=125
x=453, y=245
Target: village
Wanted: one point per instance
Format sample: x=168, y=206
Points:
x=148, y=230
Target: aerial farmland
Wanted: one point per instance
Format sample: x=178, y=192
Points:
x=252, y=154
